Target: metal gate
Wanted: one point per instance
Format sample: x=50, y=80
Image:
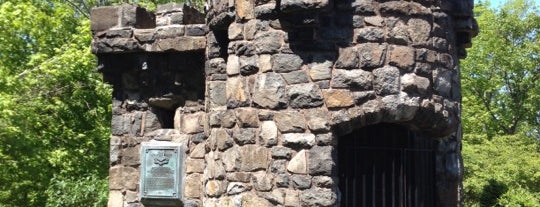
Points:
x=386, y=165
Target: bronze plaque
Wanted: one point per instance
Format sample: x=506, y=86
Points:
x=161, y=174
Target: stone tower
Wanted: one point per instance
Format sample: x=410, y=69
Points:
x=263, y=97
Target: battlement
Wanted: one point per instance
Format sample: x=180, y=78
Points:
x=129, y=28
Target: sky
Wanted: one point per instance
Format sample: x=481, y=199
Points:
x=497, y=3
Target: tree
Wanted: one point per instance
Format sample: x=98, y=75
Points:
x=501, y=111
x=500, y=77
x=54, y=108
x=54, y=111
x=503, y=171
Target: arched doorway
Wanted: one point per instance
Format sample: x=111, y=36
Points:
x=386, y=165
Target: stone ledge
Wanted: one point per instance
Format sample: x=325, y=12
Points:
x=177, y=38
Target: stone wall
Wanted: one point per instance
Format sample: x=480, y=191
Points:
x=261, y=93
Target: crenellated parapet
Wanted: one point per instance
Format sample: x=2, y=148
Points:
x=129, y=28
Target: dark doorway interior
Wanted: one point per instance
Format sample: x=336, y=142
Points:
x=386, y=165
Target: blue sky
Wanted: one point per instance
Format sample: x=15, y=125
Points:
x=497, y=3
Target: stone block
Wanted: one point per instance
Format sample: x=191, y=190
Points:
x=131, y=156
x=348, y=58
x=233, y=65
x=369, y=34
x=131, y=196
x=244, y=136
x=191, y=123
x=414, y=84
x=318, y=197
x=268, y=133
x=215, y=188
x=296, y=77
x=276, y=196
x=283, y=63
x=305, y=95
x=239, y=177
x=326, y=139
x=231, y=159
x=252, y=200
x=248, y=65
x=220, y=139
x=419, y=31
x=321, y=160
x=278, y=166
x=237, y=187
x=116, y=199
x=119, y=33
x=228, y=119
x=214, y=167
x=404, y=8
x=104, y=18
x=292, y=198
x=215, y=66
x=237, y=93
x=244, y=9
x=321, y=70
x=217, y=93
x=323, y=182
x=298, y=140
x=179, y=44
x=193, y=186
x=402, y=57
x=282, y=180
x=361, y=97
x=262, y=181
x=198, y=151
x=317, y=120
x=194, y=165
x=386, y=80
x=268, y=42
x=289, y=121
x=121, y=178
x=269, y=91
x=196, y=30
x=265, y=63
x=354, y=79
x=301, y=182
x=235, y=31
x=137, y=17
x=371, y=55
x=337, y=98
x=400, y=107
x=279, y=152
x=171, y=31
x=247, y=117
x=298, y=164
x=377, y=21
x=442, y=79
x=253, y=157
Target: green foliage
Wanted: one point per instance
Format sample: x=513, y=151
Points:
x=54, y=110
x=501, y=74
x=88, y=191
x=501, y=111
x=491, y=192
x=510, y=162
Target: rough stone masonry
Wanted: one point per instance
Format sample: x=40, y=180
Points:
x=260, y=90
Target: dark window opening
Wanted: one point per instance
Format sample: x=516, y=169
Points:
x=386, y=165
x=165, y=117
x=222, y=37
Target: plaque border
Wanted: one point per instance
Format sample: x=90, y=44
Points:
x=155, y=200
